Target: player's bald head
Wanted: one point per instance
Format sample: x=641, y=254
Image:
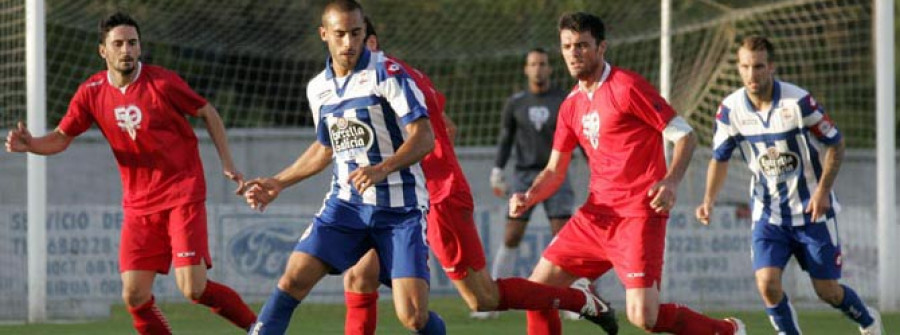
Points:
x=340, y=6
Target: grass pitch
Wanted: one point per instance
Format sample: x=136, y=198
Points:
x=329, y=319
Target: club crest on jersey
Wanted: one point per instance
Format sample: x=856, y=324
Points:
x=538, y=115
x=350, y=138
x=129, y=119
x=787, y=114
x=363, y=77
x=777, y=164
x=392, y=68
x=590, y=124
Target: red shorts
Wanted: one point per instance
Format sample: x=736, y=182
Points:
x=149, y=242
x=634, y=247
x=452, y=235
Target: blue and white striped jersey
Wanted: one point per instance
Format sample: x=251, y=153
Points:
x=362, y=117
x=783, y=148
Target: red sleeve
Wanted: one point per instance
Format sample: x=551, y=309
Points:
x=78, y=118
x=646, y=103
x=181, y=96
x=565, y=138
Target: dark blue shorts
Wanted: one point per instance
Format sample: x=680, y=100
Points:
x=342, y=233
x=816, y=246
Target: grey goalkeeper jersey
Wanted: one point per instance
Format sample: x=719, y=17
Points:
x=529, y=122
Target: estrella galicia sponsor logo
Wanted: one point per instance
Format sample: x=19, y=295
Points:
x=350, y=138
x=261, y=250
x=776, y=164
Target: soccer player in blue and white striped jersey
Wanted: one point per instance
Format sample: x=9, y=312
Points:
x=372, y=123
x=794, y=152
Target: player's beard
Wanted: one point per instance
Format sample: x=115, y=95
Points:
x=761, y=89
x=124, y=68
x=348, y=63
x=126, y=71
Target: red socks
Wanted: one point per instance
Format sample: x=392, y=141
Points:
x=544, y=322
x=519, y=293
x=225, y=302
x=362, y=313
x=147, y=319
x=678, y=319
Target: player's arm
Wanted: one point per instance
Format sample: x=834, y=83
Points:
x=820, y=201
x=663, y=192
x=724, y=144
x=20, y=140
x=262, y=191
x=216, y=129
x=821, y=126
x=716, y=173
x=545, y=184
x=504, y=148
x=419, y=143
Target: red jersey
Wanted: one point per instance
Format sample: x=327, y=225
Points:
x=620, y=130
x=154, y=145
x=443, y=174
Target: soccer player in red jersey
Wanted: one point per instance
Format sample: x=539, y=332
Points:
x=619, y=120
x=452, y=236
x=141, y=110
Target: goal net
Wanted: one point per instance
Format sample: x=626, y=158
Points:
x=252, y=60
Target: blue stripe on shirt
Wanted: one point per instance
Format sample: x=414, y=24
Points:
x=773, y=137
x=409, y=185
x=352, y=103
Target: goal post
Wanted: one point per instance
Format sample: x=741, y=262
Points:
x=35, y=60
x=888, y=230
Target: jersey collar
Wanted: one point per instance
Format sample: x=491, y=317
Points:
x=765, y=116
x=606, y=70
x=361, y=64
x=123, y=88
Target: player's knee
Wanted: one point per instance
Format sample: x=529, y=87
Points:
x=770, y=290
x=292, y=286
x=135, y=297
x=512, y=240
x=414, y=321
x=641, y=319
x=483, y=302
x=192, y=292
x=830, y=295
x=642, y=314
x=359, y=282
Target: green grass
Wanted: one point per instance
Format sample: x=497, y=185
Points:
x=328, y=319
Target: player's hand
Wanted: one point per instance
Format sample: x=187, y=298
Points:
x=366, y=176
x=238, y=178
x=819, y=204
x=18, y=139
x=663, y=194
x=261, y=191
x=704, y=212
x=498, y=184
x=518, y=204
x=452, y=131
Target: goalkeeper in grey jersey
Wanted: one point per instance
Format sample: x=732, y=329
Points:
x=529, y=121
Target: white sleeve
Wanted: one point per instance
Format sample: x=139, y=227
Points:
x=676, y=129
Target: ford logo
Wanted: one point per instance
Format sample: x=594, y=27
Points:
x=262, y=250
